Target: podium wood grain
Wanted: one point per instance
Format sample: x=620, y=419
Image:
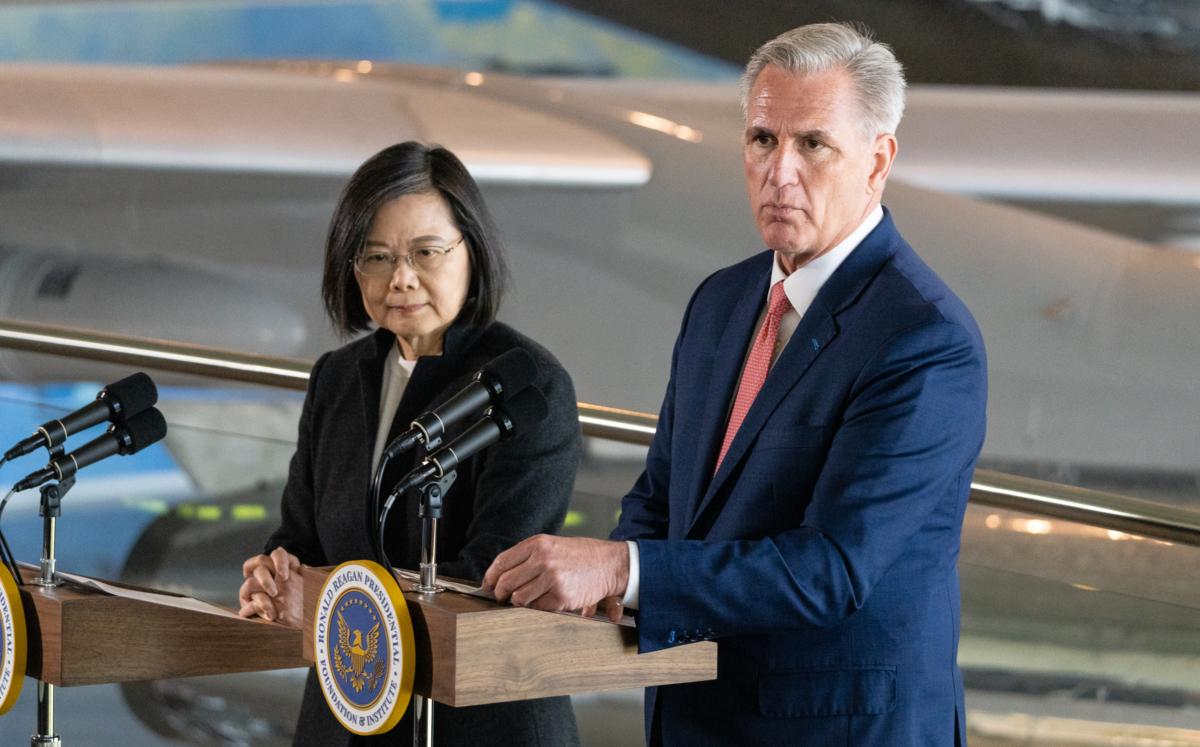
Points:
x=80, y=636
x=472, y=651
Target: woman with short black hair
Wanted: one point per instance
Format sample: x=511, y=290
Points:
x=413, y=251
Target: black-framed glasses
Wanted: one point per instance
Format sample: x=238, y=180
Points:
x=425, y=259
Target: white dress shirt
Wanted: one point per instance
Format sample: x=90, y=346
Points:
x=801, y=287
x=396, y=373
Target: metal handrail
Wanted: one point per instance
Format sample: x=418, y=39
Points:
x=998, y=490
x=151, y=352
x=1122, y=513
x=233, y=365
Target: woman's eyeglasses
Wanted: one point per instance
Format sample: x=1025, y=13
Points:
x=424, y=260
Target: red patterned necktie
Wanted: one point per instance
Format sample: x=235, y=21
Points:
x=757, y=365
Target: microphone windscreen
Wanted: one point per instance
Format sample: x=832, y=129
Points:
x=513, y=370
x=135, y=393
x=145, y=428
x=526, y=409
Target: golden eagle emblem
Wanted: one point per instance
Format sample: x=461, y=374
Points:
x=352, y=659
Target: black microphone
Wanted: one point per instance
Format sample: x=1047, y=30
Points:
x=523, y=411
x=118, y=401
x=498, y=380
x=129, y=437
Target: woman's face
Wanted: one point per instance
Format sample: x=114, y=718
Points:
x=416, y=304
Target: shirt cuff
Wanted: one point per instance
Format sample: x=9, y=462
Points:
x=630, y=600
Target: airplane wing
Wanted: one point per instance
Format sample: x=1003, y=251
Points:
x=324, y=121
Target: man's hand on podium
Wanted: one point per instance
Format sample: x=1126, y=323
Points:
x=561, y=573
x=273, y=588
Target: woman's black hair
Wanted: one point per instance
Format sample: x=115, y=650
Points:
x=405, y=169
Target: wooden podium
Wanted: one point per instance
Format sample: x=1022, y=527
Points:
x=472, y=650
x=84, y=636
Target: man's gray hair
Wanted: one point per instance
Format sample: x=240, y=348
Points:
x=877, y=74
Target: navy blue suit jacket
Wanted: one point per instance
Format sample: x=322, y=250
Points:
x=821, y=556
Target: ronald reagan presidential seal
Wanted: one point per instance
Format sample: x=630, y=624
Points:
x=363, y=641
x=12, y=641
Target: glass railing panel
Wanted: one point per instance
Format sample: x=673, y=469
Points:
x=179, y=516
x=1073, y=628
x=114, y=500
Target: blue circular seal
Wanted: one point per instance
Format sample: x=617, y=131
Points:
x=360, y=656
x=363, y=643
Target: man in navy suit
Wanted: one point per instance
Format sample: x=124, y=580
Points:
x=803, y=496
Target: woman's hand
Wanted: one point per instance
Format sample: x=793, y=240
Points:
x=273, y=588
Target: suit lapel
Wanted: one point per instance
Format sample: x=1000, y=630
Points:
x=818, y=327
x=727, y=365
x=370, y=380
x=814, y=333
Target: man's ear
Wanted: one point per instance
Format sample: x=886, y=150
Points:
x=883, y=155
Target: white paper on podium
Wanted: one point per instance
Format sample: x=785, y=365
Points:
x=165, y=599
x=461, y=588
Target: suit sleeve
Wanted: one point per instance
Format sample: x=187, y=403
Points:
x=524, y=485
x=894, y=481
x=297, y=532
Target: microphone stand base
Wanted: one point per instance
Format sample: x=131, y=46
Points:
x=47, y=578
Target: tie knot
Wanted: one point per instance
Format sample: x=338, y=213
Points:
x=779, y=303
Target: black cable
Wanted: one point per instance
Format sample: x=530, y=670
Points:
x=376, y=481
x=387, y=564
x=10, y=560
x=6, y=554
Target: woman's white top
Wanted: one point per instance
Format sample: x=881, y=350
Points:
x=396, y=373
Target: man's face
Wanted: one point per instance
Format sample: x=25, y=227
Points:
x=811, y=173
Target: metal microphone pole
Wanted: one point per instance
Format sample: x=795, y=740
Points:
x=430, y=511
x=51, y=509
x=45, y=736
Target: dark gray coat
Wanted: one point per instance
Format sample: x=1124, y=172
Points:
x=513, y=490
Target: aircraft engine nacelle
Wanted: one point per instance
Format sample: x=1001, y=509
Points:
x=145, y=297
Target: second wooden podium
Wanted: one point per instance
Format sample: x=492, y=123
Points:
x=472, y=650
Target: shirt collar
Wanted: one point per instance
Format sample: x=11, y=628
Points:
x=802, y=286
